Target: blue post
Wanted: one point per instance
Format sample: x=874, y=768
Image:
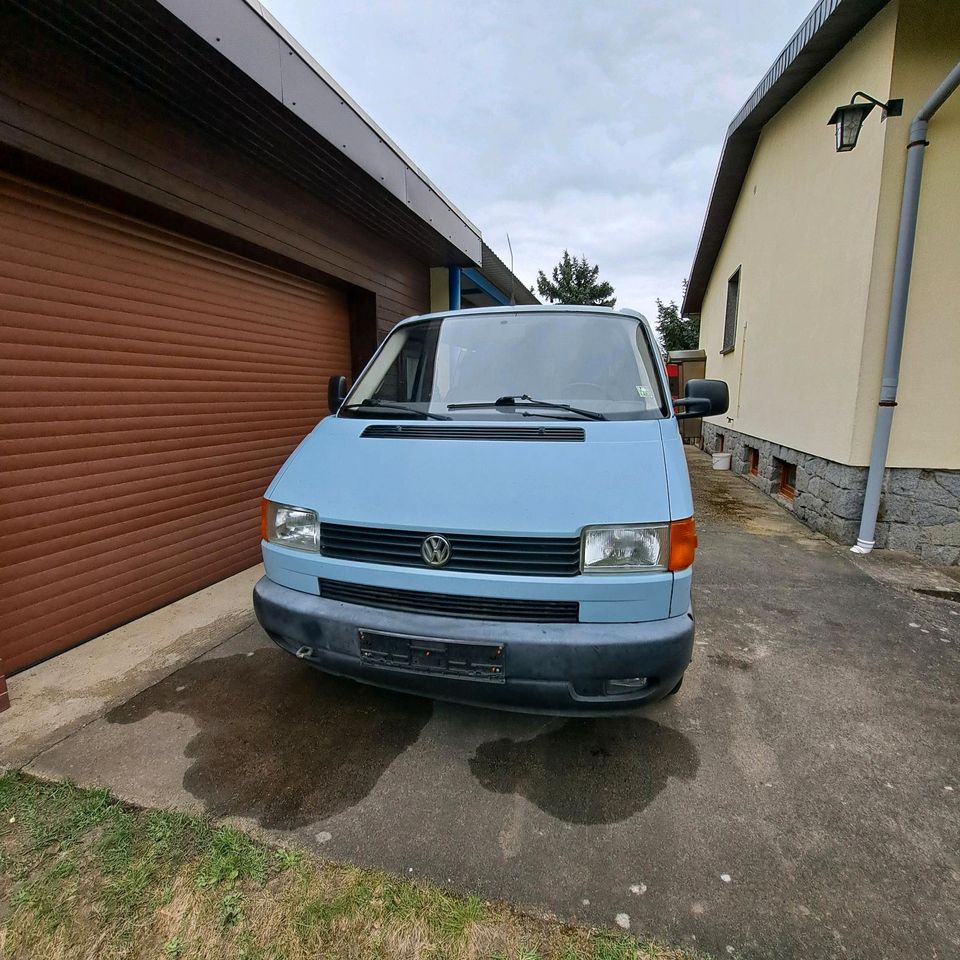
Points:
x=454, y=288
x=482, y=283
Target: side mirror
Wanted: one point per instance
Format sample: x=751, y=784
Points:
x=336, y=393
x=703, y=398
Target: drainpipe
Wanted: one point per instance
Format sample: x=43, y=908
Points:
x=898, y=308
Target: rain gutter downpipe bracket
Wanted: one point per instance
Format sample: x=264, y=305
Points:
x=906, y=237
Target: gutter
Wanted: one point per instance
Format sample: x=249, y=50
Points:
x=909, y=206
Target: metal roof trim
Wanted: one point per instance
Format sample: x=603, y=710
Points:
x=501, y=276
x=804, y=34
x=822, y=35
x=248, y=35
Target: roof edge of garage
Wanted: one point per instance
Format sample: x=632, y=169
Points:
x=499, y=274
x=822, y=35
x=252, y=39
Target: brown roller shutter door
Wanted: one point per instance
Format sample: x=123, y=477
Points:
x=151, y=388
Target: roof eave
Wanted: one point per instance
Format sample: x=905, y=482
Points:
x=245, y=33
x=822, y=35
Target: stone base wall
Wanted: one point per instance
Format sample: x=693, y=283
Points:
x=919, y=509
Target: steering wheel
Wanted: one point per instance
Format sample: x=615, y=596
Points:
x=598, y=392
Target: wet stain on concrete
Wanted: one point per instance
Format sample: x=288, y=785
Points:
x=721, y=505
x=588, y=771
x=729, y=661
x=278, y=741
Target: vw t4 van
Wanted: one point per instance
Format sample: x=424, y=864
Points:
x=498, y=512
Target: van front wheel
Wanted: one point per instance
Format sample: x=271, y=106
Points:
x=676, y=688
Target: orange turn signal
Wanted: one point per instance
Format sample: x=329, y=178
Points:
x=683, y=544
x=264, y=506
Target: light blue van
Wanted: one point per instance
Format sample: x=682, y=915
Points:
x=498, y=513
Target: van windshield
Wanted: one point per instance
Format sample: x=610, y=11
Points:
x=601, y=364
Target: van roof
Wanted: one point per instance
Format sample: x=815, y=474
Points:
x=540, y=308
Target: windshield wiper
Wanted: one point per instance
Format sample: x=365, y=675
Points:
x=522, y=400
x=400, y=407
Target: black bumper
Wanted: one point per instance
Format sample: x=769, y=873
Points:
x=557, y=668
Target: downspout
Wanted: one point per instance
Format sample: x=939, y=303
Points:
x=909, y=206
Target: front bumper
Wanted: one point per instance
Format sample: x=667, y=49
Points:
x=552, y=668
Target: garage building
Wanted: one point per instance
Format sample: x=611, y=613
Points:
x=199, y=227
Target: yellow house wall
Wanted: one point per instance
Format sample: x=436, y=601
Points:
x=926, y=425
x=803, y=233
x=439, y=289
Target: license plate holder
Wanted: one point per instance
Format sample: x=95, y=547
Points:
x=432, y=655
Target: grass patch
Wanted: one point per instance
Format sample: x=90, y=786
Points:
x=82, y=875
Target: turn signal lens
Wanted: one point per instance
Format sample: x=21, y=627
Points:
x=683, y=544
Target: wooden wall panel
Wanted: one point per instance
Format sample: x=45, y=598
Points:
x=80, y=127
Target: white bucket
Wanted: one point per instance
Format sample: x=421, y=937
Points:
x=721, y=461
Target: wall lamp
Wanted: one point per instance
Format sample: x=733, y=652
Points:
x=848, y=119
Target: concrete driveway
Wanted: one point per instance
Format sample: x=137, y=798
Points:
x=799, y=798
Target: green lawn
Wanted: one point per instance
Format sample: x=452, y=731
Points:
x=82, y=875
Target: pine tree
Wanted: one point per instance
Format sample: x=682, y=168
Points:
x=575, y=282
x=676, y=332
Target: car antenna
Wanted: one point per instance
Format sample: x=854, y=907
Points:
x=513, y=276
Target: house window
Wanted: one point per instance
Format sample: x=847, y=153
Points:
x=753, y=460
x=730, y=320
x=788, y=479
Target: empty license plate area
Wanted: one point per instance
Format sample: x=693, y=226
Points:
x=449, y=658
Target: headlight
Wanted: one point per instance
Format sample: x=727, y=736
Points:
x=287, y=526
x=625, y=548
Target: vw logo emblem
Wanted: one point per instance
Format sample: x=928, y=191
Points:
x=435, y=551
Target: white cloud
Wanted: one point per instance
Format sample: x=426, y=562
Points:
x=592, y=127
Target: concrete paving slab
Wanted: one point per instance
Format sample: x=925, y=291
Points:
x=54, y=699
x=798, y=798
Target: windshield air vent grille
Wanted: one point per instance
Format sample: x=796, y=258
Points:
x=429, y=432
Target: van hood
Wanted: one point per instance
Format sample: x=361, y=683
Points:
x=546, y=486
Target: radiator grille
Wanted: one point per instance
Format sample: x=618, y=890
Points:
x=524, y=556
x=449, y=605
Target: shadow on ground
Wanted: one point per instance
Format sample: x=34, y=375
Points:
x=279, y=742
x=588, y=771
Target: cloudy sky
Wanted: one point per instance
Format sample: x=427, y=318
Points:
x=592, y=126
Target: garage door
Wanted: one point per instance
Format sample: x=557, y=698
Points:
x=151, y=388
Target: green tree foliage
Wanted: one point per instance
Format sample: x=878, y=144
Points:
x=676, y=332
x=575, y=282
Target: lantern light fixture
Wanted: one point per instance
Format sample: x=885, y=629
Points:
x=848, y=118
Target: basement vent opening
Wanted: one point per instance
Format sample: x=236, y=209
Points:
x=788, y=479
